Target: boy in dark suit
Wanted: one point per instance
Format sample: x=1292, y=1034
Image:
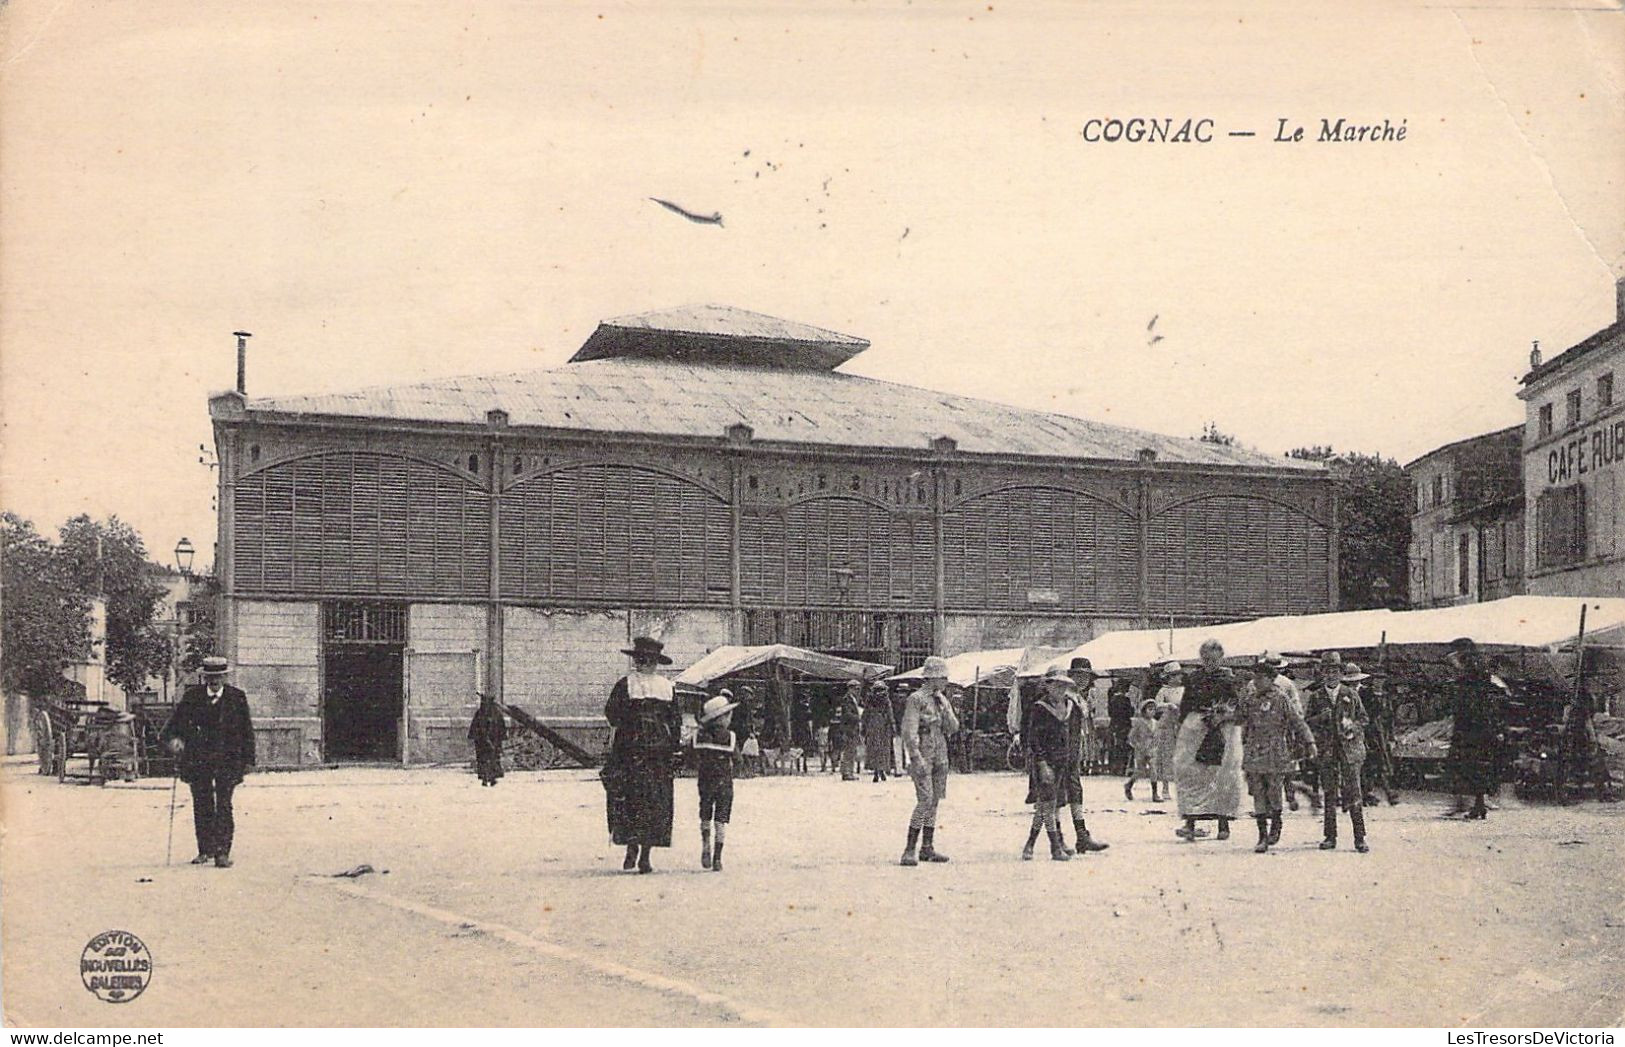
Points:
x=715, y=744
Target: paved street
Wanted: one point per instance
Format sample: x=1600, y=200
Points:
x=507, y=906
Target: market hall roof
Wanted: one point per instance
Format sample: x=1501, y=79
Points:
x=636, y=392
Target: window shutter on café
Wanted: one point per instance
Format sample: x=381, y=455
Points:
x=1560, y=516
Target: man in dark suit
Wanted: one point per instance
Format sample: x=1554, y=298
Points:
x=212, y=738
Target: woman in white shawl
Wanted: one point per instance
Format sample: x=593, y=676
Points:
x=1207, y=755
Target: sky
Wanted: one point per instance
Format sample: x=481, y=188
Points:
x=384, y=192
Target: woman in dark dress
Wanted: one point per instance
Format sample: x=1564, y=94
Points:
x=878, y=732
x=1476, y=731
x=487, y=732
x=645, y=750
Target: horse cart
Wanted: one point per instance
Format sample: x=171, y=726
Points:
x=91, y=741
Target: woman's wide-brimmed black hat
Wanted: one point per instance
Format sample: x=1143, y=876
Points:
x=647, y=647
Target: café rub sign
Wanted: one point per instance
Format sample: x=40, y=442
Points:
x=1586, y=452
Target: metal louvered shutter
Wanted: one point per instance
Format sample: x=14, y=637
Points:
x=248, y=516
x=1230, y=555
x=360, y=522
x=1002, y=547
x=616, y=534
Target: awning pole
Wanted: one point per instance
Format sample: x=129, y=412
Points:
x=1579, y=692
x=1580, y=655
x=970, y=747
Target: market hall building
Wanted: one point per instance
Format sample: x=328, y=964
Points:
x=706, y=476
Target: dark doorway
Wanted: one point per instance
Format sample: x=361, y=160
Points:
x=362, y=652
x=361, y=706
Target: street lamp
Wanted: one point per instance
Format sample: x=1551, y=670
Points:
x=183, y=560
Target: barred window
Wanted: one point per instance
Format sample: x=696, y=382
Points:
x=1560, y=520
x=352, y=621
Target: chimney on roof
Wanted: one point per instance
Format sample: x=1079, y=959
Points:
x=1619, y=299
x=242, y=361
x=1146, y=454
x=1534, y=355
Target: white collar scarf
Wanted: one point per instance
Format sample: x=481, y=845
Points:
x=648, y=685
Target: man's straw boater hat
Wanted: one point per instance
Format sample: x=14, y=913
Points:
x=214, y=665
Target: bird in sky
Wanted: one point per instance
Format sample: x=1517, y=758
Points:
x=1155, y=338
x=714, y=218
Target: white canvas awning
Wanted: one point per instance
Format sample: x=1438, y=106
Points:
x=1138, y=648
x=726, y=660
x=993, y=666
x=1546, y=622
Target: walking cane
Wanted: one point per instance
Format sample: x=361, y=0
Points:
x=169, y=846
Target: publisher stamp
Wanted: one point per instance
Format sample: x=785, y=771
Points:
x=116, y=966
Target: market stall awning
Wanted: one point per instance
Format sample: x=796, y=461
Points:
x=993, y=666
x=1548, y=623
x=727, y=660
x=1137, y=648
x=1545, y=622
x=1309, y=633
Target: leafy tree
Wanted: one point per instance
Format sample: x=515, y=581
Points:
x=200, y=635
x=110, y=559
x=1212, y=434
x=1374, y=524
x=46, y=620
